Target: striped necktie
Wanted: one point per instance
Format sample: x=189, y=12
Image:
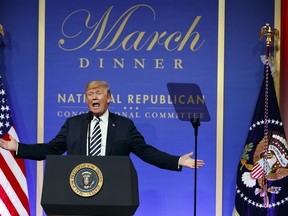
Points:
x=95, y=143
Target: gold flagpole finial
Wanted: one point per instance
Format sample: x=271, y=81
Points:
x=2, y=30
x=269, y=32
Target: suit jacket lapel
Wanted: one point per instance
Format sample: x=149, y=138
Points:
x=83, y=135
x=112, y=125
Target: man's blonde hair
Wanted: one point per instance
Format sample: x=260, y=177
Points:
x=97, y=83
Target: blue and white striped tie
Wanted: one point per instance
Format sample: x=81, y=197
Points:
x=95, y=143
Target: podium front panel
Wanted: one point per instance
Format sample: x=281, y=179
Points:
x=117, y=196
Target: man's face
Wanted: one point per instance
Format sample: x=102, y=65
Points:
x=98, y=100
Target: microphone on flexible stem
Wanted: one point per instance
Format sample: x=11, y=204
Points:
x=89, y=118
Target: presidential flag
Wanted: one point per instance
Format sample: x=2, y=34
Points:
x=13, y=185
x=262, y=182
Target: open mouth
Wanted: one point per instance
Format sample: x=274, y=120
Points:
x=95, y=105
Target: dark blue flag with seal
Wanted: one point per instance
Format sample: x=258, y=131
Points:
x=262, y=173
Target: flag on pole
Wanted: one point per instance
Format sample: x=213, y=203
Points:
x=262, y=178
x=13, y=184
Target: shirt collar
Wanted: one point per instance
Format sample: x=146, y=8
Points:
x=104, y=117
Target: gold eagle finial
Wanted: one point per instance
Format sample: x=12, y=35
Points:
x=269, y=32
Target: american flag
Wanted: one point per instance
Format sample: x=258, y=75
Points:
x=13, y=184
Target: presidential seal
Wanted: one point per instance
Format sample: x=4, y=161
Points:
x=86, y=180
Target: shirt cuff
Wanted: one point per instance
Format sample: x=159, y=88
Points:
x=179, y=166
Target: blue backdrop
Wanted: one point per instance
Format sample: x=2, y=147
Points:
x=138, y=47
x=177, y=42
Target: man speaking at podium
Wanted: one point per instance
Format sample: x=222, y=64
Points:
x=100, y=133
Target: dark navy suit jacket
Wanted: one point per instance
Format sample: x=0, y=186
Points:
x=122, y=138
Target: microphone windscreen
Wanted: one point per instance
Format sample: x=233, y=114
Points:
x=90, y=116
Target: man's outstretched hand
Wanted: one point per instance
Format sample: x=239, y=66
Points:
x=10, y=145
x=187, y=161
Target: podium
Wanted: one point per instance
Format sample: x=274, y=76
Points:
x=118, y=195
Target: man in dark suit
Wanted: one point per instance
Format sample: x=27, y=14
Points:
x=119, y=136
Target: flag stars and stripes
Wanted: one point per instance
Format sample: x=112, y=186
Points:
x=7, y=124
x=3, y=108
x=2, y=92
x=262, y=122
x=5, y=118
x=15, y=198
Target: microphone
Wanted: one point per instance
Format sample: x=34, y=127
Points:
x=89, y=118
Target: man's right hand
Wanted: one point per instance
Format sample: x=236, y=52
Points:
x=10, y=145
